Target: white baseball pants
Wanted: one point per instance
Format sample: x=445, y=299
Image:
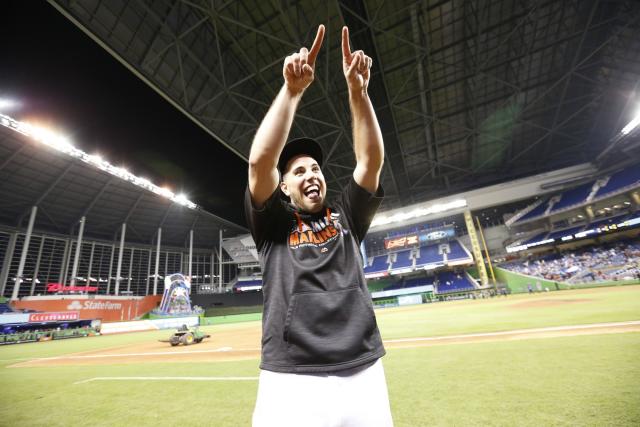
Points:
x=358, y=399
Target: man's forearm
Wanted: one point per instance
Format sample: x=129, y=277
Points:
x=367, y=140
x=274, y=129
x=268, y=144
x=298, y=71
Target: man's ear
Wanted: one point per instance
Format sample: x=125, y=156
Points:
x=285, y=190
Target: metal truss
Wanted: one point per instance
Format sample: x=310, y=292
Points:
x=467, y=92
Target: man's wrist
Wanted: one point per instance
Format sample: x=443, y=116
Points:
x=358, y=96
x=293, y=92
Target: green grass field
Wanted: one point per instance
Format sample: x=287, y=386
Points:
x=576, y=380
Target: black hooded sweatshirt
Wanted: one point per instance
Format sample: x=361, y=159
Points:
x=317, y=315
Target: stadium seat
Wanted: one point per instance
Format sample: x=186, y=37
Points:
x=429, y=254
x=619, y=182
x=574, y=197
x=403, y=260
x=378, y=265
x=457, y=252
x=449, y=282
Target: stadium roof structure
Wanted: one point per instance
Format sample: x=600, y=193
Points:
x=468, y=93
x=65, y=189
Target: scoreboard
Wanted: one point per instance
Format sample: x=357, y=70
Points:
x=423, y=237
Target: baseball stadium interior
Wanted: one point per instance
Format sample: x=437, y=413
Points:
x=512, y=159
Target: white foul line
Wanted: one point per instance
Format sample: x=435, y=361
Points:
x=167, y=379
x=152, y=353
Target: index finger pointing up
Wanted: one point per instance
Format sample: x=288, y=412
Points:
x=317, y=43
x=346, y=49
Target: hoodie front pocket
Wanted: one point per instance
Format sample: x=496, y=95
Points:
x=329, y=327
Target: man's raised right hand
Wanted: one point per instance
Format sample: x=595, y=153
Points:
x=299, y=68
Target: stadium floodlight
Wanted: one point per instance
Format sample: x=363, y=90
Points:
x=8, y=104
x=63, y=144
x=418, y=212
x=631, y=125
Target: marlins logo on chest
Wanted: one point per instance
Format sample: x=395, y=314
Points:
x=315, y=233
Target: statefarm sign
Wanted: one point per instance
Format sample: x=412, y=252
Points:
x=90, y=307
x=54, y=317
x=94, y=305
x=59, y=287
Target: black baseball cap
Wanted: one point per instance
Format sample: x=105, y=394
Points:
x=299, y=146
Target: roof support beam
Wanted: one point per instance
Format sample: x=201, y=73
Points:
x=539, y=140
x=133, y=207
x=53, y=184
x=577, y=66
x=576, y=56
x=425, y=103
x=362, y=37
x=97, y=196
x=135, y=69
x=11, y=157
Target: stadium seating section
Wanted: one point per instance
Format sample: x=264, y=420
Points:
x=559, y=233
x=622, y=180
x=573, y=197
x=617, y=183
x=378, y=265
x=536, y=212
x=446, y=282
x=610, y=262
x=428, y=255
x=457, y=252
x=450, y=282
x=403, y=260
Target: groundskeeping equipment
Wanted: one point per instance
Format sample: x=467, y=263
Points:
x=186, y=336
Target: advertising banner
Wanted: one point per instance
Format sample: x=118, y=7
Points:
x=109, y=309
x=58, y=287
x=409, y=299
x=417, y=238
x=403, y=291
x=53, y=317
x=13, y=318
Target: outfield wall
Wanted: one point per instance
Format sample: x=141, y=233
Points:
x=232, y=318
x=148, y=325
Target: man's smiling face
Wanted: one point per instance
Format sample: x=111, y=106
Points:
x=304, y=183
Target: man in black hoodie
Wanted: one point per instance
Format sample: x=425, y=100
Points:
x=320, y=341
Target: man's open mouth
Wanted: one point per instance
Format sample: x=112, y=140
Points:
x=312, y=192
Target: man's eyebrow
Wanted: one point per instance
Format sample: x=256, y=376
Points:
x=297, y=168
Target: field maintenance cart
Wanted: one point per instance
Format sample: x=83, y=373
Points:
x=186, y=336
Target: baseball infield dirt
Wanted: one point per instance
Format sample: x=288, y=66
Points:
x=244, y=343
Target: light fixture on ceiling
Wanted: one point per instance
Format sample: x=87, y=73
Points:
x=632, y=124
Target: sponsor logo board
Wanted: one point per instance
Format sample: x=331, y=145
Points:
x=414, y=239
x=54, y=317
x=59, y=287
x=94, y=305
